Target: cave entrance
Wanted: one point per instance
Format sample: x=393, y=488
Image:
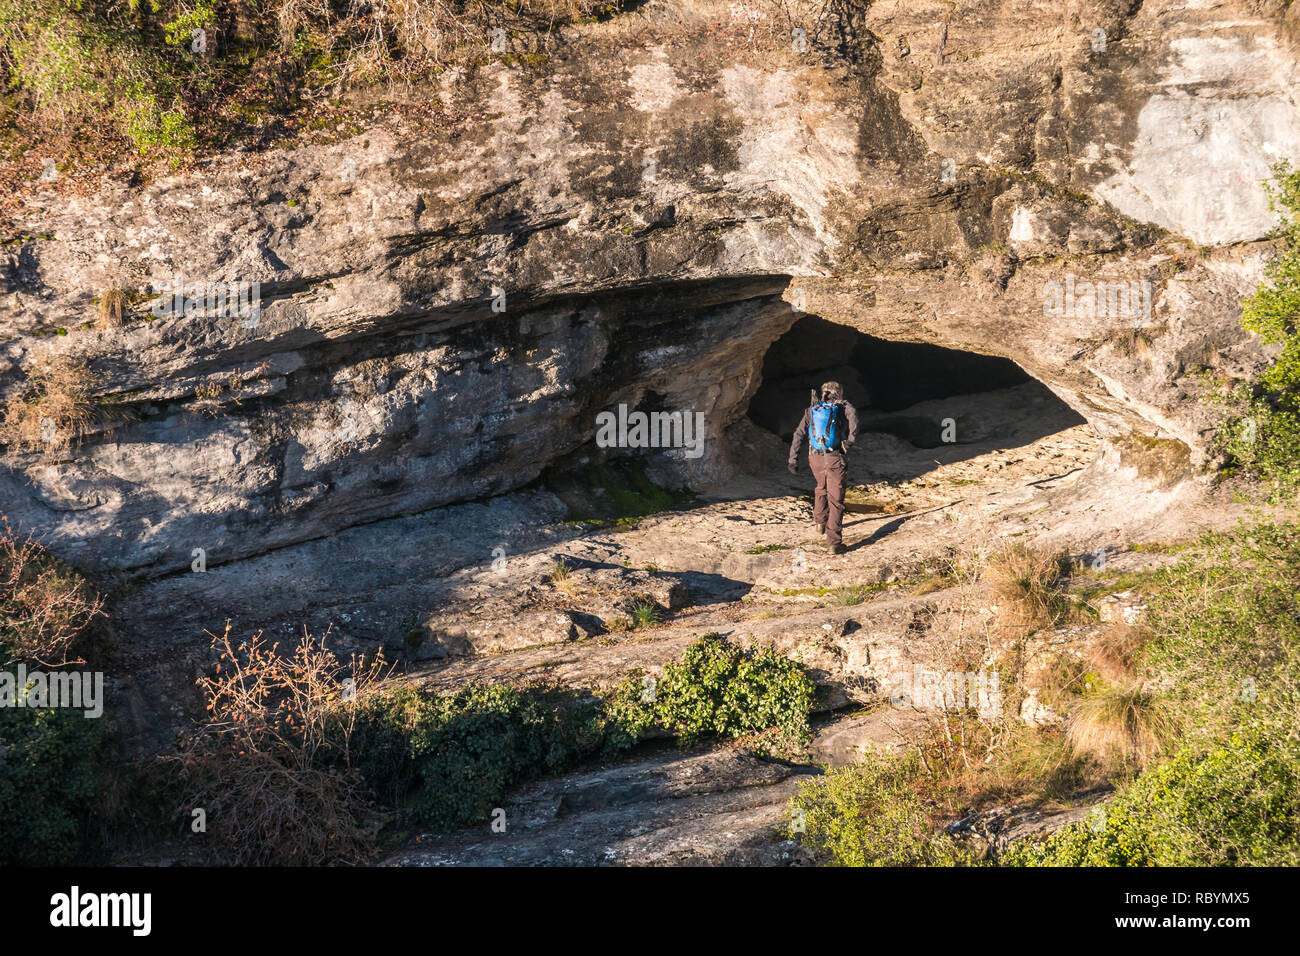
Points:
x=919, y=405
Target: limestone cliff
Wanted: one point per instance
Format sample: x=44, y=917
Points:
x=445, y=309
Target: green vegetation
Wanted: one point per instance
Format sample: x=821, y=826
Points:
x=869, y=815
x=292, y=771
x=162, y=80
x=52, y=775
x=1088, y=584
x=1225, y=629
x=615, y=494
x=645, y=613
x=1262, y=436
x=852, y=595
x=1190, y=717
x=849, y=594
x=53, y=763
x=1223, y=646
x=1237, y=805
x=451, y=759
x=719, y=688
x=80, y=63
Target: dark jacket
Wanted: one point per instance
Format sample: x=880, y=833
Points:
x=849, y=416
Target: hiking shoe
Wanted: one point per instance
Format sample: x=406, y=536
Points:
x=838, y=548
x=821, y=528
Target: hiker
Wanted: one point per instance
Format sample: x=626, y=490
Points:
x=831, y=425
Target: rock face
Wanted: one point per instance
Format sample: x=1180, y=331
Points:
x=444, y=311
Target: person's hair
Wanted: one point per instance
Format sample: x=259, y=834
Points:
x=832, y=392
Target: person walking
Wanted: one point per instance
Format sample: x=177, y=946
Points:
x=831, y=425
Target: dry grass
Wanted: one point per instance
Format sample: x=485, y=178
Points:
x=1133, y=342
x=1120, y=723
x=44, y=606
x=1117, y=653
x=256, y=767
x=1024, y=584
x=57, y=409
x=111, y=311
x=431, y=33
x=562, y=577
x=952, y=568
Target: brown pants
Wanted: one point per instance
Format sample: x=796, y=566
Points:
x=828, y=501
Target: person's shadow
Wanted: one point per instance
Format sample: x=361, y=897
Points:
x=883, y=531
x=889, y=527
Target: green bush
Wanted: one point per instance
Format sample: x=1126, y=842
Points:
x=1237, y=805
x=1225, y=629
x=452, y=758
x=719, y=688
x=1263, y=438
x=51, y=778
x=869, y=815
x=80, y=63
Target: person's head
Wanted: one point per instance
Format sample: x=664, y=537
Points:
x=832, y=392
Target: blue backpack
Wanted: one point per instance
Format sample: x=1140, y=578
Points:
x=823, y=426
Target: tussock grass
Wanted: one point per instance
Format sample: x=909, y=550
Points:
x=1119, y=652
x=110, y=313
x=1024, y=583
x=1126, y=725
x=56, y=411
x=562, y=577
x=851, y=595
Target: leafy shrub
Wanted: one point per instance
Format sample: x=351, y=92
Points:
x=1263, y=438
x=870, y=815
x=52, y=773
x=288, y=772
x=719, y=688
x=1237, y=805
x=452, y=758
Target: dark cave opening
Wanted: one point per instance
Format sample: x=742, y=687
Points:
x=884, y=378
